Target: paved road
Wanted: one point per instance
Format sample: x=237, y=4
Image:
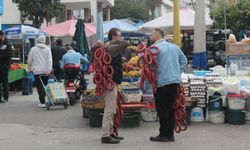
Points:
x=24, y=126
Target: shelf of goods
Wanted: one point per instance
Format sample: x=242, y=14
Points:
x=238, y=53
x=196, y=87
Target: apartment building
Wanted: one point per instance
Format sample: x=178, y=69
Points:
x=73, y=8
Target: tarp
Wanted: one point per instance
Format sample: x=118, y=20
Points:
x=123, y=26
x=187, y=18
x=23, y=31
x=68, y=28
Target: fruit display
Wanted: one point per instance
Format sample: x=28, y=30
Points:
x=15, y=66
x=130, y=85
x=133, y=73
x=134, y=60
x=132, y=48
x=24, y=66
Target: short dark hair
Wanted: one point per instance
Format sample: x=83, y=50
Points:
x=1, y=32
x=160, y=32
x=112, y=32
x=59, y=42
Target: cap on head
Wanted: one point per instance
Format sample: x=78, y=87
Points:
x=41, y=39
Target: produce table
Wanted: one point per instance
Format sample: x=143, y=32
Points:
x=16, y=75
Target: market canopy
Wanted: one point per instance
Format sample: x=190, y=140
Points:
x=68, y=28
x=121, y=25
x=165, y=22
x=23, y=31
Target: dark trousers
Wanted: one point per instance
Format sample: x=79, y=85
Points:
x=164, y=99
x=4, y=84
x=58, y=72
x=40, y=88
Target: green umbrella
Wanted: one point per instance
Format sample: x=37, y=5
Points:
x=81, y=38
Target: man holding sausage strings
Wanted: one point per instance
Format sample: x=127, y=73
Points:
x=171, y=62
x=116, y=47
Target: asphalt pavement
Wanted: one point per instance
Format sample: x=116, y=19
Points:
x=24, y=126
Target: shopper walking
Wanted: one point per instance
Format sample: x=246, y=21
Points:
x=40, y=63
x=171, y=62
x=116, y=48
x=5, y=57
x=57, y=53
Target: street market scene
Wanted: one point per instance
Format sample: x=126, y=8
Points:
x=125, y=74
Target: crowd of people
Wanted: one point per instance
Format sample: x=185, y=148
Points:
x=43, y=61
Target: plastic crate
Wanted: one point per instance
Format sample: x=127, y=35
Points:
x=132, y=96
x=131, y=79
x=201, y=73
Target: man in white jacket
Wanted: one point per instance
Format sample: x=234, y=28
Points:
x=40, y=63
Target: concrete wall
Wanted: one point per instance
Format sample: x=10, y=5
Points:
x=11, y=13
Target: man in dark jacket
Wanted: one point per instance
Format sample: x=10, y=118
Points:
x=57, y=52
x=5, y=57
x=116, y=48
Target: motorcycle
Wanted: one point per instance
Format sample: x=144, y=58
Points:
x=73, y=83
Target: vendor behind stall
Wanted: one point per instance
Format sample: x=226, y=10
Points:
x=5, y=57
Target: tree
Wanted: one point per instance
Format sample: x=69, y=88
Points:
x=238, y=16
x=129, y=9
x=38, y=10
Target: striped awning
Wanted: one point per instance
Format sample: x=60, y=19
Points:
x=67, y=28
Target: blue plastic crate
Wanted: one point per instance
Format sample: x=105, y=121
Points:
x=132, y=79
x=201, y=73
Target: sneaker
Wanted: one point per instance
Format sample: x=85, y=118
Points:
x=109, y=140
x=41, y=105
x=117, y=137
x=2, y=101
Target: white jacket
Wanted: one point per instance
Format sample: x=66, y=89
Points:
x=40, y=59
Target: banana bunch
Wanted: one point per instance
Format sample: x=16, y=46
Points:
x=133, y=48
x=133, y=73
x=134, y=60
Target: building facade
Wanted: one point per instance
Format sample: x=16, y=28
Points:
x=73, y=8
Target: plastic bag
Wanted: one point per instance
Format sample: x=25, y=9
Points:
x=231, y=85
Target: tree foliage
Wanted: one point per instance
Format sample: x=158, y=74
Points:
x=238, y=16
x=38, y=10
x=129, y=9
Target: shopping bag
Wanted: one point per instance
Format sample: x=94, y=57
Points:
x=57, y=92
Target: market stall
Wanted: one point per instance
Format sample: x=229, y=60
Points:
x=23, y=37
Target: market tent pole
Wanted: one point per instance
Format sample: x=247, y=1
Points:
x=99, y=22
x=177, y=32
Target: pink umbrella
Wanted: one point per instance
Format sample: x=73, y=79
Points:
x=67, y=28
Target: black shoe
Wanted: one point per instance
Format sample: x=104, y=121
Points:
x=171, y=139
x=159, y=139
x=117, y=137
x=109, y=140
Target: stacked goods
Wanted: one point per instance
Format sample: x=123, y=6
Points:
x=216, y=112
x=91, y=101
x=132, y=95
x=148, y=63
x=248, y=108
x=236, y=109
x=130, y=86
x=198, y=90
x=213, y=80
x=185, y=85
x=103, y=72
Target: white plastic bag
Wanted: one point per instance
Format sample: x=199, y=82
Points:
x=231, y=85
